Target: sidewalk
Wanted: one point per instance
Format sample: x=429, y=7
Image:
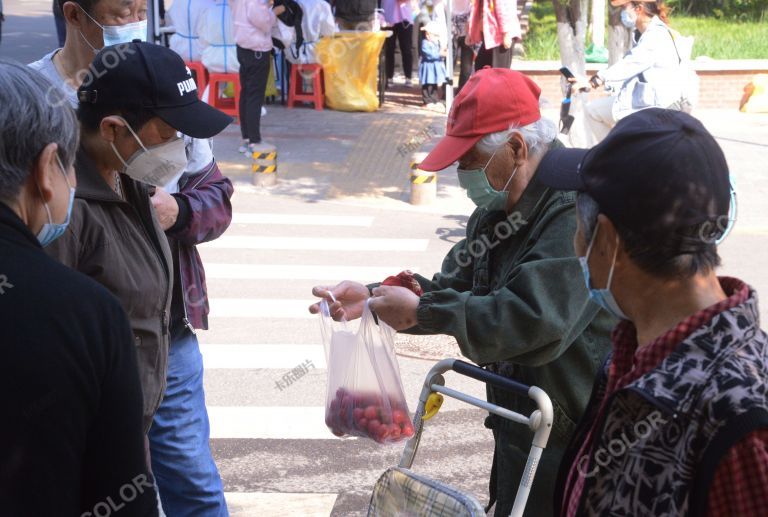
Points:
x=357, y=157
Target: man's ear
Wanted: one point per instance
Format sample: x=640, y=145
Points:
x=43, y=170
x=607, y=238
x=74, y=15
x=517, y=146
x=109, y=126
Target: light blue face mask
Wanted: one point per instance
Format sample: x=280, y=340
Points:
x=603, y=297
x=629, y=18
x=50, y=230
x=475, y=182
x=117, y=34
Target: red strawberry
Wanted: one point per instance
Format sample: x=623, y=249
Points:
x=373, y=427
x=407, y=429
x=362, y=424
x=399, y=416
x=357, y=413
x=371, y=412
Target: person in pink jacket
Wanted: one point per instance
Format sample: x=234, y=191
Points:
x=252, y=22
x=494, y=24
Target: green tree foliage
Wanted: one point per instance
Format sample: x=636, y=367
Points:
x=742, y=9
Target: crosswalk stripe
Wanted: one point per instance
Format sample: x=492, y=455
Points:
x=249, y=504
x=308, y=272
x=316, y=243
x=260, y=308
x=300, y=219
x=251, y=357
x=275, y=422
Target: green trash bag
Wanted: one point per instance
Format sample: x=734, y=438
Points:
x=596, y=54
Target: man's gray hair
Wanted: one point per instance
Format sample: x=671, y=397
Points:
x=33, y=114
x=587, y=210
x=537, y=136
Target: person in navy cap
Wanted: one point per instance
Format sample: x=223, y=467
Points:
x=133, y=103
x=677, y=423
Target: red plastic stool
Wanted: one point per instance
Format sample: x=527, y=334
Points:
x=227, y=105
x=201, y=75
x=296, y=92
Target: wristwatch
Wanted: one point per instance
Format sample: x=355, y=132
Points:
x=596, y=81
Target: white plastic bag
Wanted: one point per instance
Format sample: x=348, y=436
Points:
x=364, y=394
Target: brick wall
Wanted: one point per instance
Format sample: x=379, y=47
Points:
x=718, y=89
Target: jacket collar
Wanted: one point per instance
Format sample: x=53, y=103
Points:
x=676, y=383
x=19, y=233
x=90, y=184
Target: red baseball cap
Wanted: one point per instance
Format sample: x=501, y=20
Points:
x=493, y=99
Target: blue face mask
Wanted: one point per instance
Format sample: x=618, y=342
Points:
x=50, y=230
x=475, y=182
x=117, y=34
x=603, y=297
x=629, y=18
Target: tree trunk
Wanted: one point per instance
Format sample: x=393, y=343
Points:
x=598, y=23
x=571, y=32
x=619, y=38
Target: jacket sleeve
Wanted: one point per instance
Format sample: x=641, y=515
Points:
x=639, y=59
x=526, y=319
x=506, y=14
x=205, y=209
x=116, y=435
x=260, y=16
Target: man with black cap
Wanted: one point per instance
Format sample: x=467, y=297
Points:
x=511, y=292
x=134, y=101
x=678, y=419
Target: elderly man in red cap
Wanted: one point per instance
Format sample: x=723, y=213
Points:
x=511, y=293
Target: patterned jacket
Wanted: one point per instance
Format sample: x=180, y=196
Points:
x=663, y=435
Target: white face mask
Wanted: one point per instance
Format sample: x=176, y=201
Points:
x=157, y=165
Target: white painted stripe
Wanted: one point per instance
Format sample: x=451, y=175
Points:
x=317, y=243
x=278, y=422
x=250, y=504
x=260, y=308
x=301, y=219
x=310, y=272
x=251, y=357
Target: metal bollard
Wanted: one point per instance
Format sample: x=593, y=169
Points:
x=423, y=183
x=264, y=166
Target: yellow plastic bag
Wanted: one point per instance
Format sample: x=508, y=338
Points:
x=271, y=87
x=756, y=95
x=350, y=62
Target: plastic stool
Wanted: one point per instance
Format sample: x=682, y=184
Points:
x=296, y=91
x=227, y=105
x=201, y=76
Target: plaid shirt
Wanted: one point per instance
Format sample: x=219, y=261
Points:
x=740, y=485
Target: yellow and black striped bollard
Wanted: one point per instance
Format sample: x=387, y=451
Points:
x=423, y=183
x=264, y=166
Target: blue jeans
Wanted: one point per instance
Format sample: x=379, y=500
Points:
x=183, y=466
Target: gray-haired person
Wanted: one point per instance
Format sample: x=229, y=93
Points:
x=511, y=292
x=72, y=439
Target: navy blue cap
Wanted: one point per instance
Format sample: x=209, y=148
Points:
x=156, y=78
x=658, y=170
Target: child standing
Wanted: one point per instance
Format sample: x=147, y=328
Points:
x=432, y=74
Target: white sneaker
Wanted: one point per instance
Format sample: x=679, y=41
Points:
x=409, y=83
x=390, y=83
x=263, y=111
x=243, y=149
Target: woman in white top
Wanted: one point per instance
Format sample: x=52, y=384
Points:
x=648, y=76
